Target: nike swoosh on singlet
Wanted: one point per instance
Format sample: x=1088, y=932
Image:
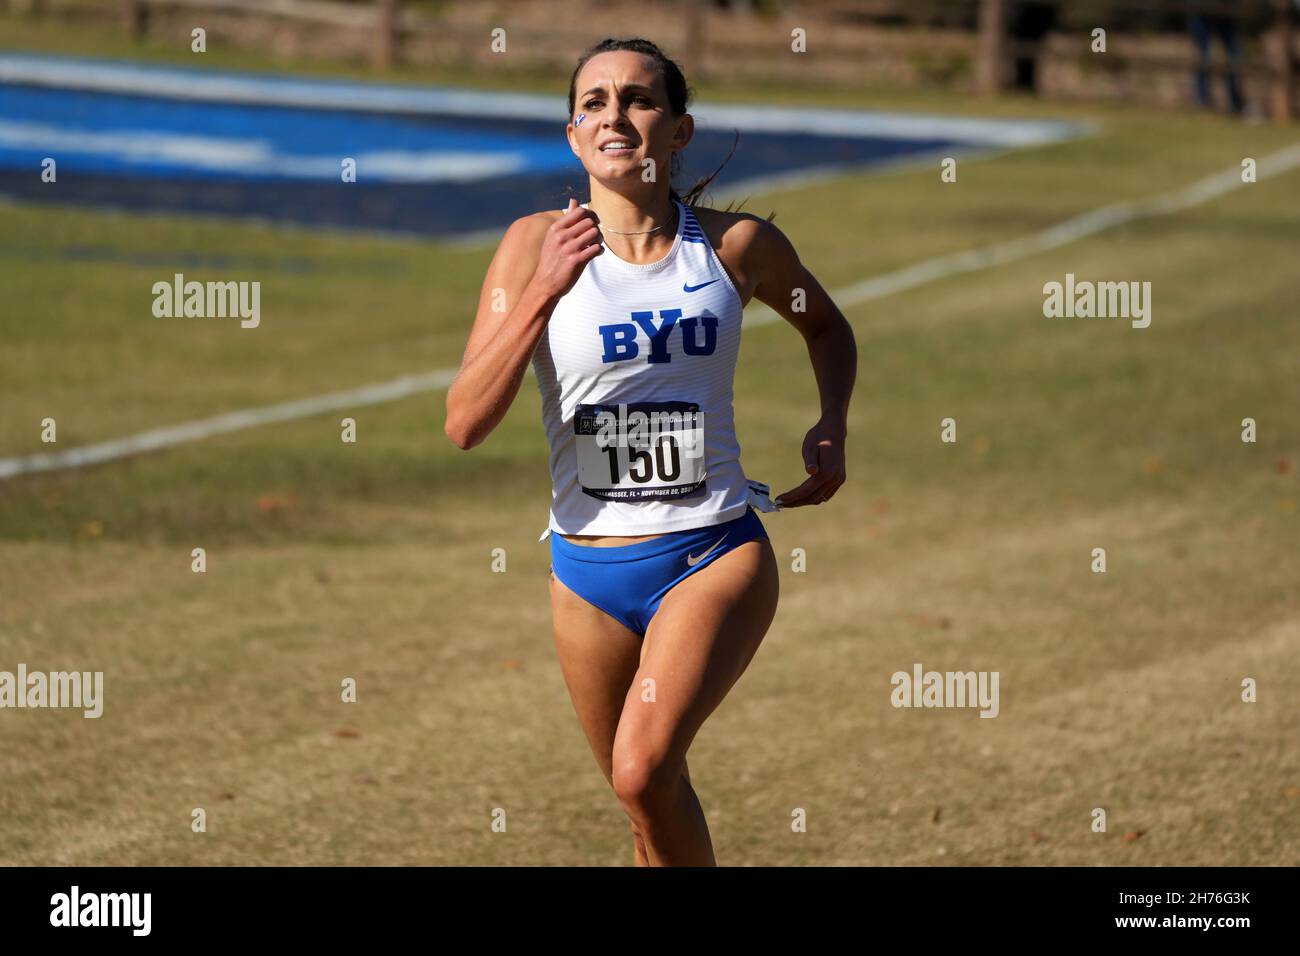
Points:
x=687, y=287
x=692, y=560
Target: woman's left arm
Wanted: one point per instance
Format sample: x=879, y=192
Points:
x=793, y=293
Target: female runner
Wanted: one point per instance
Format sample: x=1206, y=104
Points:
x=663, y=580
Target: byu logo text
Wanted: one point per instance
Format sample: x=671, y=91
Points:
x=620, y=337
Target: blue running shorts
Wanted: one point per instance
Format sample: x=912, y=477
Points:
x=628, y=581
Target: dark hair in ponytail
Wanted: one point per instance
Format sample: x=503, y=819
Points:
x=679, y=96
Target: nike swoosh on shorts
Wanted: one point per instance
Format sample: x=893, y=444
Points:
x=692, y=560
x=687, y=287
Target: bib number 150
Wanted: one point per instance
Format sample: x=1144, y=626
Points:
x=665, y=464
x=640, y=450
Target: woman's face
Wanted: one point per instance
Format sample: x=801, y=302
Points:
x=621, y=97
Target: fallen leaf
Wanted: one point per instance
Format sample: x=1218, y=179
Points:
x=271, y=502
x=1152, y=465
x=931, y=620
x=511, y=664
x=1133, y=835
x=1283, y=465
x=1035, y=837
x=345, y=732
x=934, y=817
x=1291, y=792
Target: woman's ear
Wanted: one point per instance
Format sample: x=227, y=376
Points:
x=685, y=132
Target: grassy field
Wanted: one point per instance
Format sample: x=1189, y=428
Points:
x=372, y=561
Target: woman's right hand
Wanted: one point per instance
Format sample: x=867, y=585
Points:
x=571, y=242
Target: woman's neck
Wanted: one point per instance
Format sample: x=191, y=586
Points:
x=617, y=214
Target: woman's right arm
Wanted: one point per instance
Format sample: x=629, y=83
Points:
x=536, y=263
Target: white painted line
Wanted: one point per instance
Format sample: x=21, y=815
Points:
x=241, y=155
x=230, y=422
x=110, y=76
x=1078, y=227
x=909, y=277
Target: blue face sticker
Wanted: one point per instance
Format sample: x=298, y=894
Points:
x=578, y=121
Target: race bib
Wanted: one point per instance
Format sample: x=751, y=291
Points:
x=638, y=451
x=760, y=497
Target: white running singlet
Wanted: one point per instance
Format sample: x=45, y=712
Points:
x=635, y=371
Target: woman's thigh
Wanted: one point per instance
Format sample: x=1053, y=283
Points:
x=703, y=636
x=599, y=657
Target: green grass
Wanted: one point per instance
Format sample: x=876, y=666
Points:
x=371, y=560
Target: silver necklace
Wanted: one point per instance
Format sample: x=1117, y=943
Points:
x=642, y=233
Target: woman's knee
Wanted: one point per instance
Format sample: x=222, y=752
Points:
x=645, y=781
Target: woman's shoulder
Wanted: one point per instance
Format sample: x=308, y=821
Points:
x=536, y=222
x=742, y=239
x=544, y=218
x=734, y=231
x=724, y=217
x=739, y=239
x=526, y=234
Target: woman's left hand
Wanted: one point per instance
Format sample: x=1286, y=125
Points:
x=823, y=456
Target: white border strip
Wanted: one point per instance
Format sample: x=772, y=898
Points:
x=909, y=277
x=109, y=76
